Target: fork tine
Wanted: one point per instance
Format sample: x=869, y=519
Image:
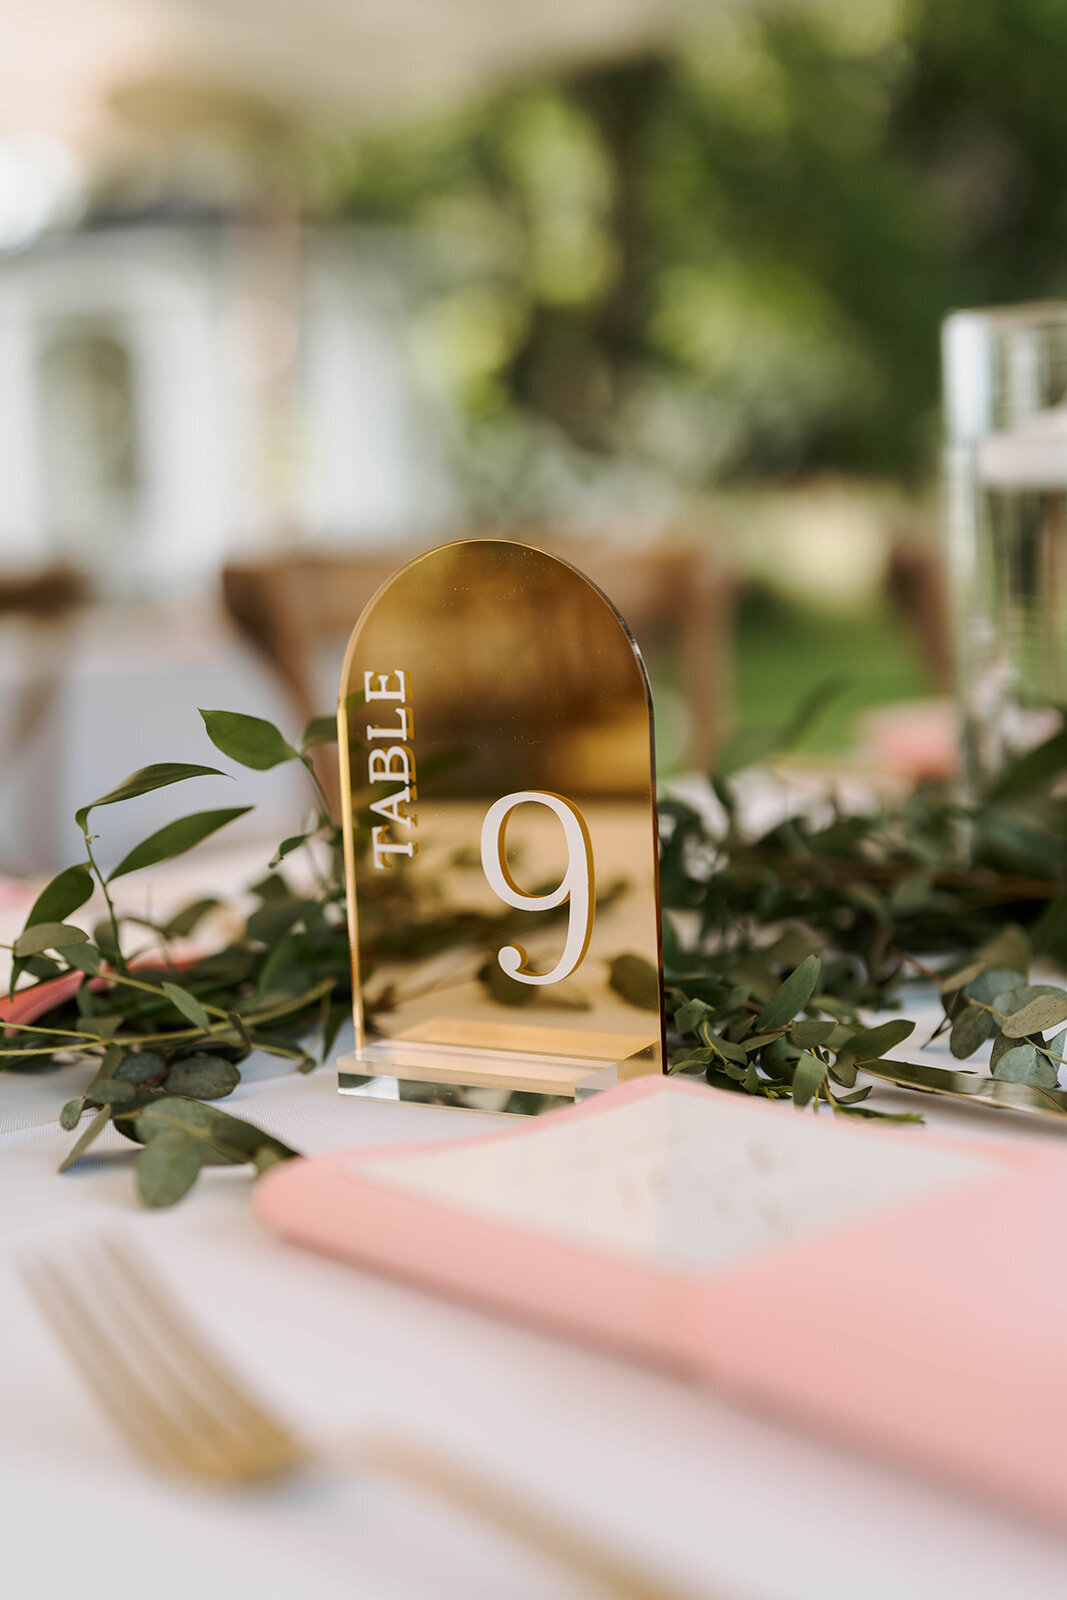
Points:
x=220, y=1450
x=129, y=1404
x=193, y=1362
x=179, y=1432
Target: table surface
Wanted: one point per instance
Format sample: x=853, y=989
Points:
x=725, y=1502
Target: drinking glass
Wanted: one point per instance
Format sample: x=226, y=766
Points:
x=1005, y=393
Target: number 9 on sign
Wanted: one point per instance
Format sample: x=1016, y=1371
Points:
x=576, y=890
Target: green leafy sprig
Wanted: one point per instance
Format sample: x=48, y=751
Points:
x=774, y=945
x=168, y=1036
x=773, y=948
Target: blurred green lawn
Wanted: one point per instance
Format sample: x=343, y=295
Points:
x=784, y=652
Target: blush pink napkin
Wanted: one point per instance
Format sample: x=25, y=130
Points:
x=933, y=1330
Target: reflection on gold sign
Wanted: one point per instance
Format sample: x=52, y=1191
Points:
x=499, y=818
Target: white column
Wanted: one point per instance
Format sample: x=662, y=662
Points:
x=182, y=443
x=23, y=530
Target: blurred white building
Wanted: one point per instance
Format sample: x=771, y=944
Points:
x=172, y=393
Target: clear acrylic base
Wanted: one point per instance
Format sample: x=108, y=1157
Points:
x=465, y=1077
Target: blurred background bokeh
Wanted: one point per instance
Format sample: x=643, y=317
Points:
x=292, y=289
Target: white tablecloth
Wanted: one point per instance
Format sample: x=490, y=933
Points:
x=730, y=1503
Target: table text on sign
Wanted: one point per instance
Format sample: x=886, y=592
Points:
x=392, y=763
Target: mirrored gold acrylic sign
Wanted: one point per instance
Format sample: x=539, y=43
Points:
x=499, y=819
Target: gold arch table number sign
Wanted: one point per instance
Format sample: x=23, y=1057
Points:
x=498, y=796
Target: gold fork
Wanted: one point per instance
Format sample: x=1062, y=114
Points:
x=184, y=1409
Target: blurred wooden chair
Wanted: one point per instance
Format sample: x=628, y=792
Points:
x=37, y=608
x=295, y=607
x=678, y=601
x=916, y=584
x=44, y=599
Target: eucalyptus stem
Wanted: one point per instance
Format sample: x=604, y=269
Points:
x=324, y=804
x=36, y=1050
x=59, y=1033
x=120, y=959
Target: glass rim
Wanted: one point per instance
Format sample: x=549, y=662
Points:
x=1033, y=311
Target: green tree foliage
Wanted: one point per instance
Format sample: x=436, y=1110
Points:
x=732, y=259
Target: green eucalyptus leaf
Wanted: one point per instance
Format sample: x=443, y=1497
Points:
x=971, y=1028
x=689, y=1016
x=271, y=888
x=67, y=891
x=287, y=847
x=140, y=1067
x=1009, y=947
x=225, y=1139
x=869, y=1114
x=236, y=1022
x=71, y=1115
x=39, y=967
x=791, y=997
x=168, y=1167
x=732, y=1052
x=320, y=730
x=693, y=1063
x=910, y=894
x=336, y=1018
x=954, y=981
x=1001, y=1046
x=86, y=957
x=1008, y=1001
x=808, y=1078
x=853, y=1099
x=144, y=781
x=1017, y=845
x=202, y=1077
x=276, y=916
x=867, y=899
x=1046, y=1011
x=104, y=939
x=48, y=936
x=183, y=923
x=844, y=1072
x=112, y=1059
x=110, y=1092
x=1024, y=1064
x=1033, y=770
x=793, y=946
x=811, y=1031
x=176, y=838
x=993, y=982
x=283, y=964
x=95, y=1128
x=188, y=1005
x=252, y=741
x=759, y=1041
x=869, y=1044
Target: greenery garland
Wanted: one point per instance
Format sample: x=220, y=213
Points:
x=773, y=946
